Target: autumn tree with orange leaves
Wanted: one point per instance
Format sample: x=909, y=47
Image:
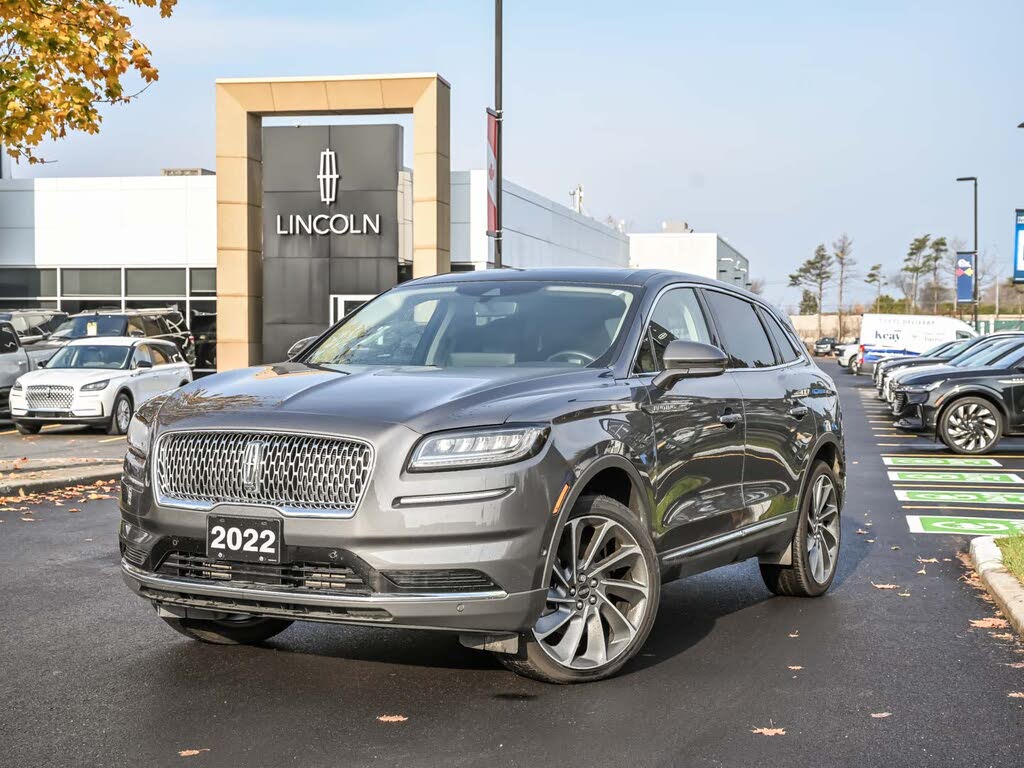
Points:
x=60, y=60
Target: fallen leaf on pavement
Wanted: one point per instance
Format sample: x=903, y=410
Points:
x=860, y=531
x=392, y=718
x=989, y=623
x=1016, y=664
x=21, y=492
x=868, y=524
x=795, y=634
x=1016, y=695
x=769, y=731
x=885, y=586
x=28, y=520
x=191, y=752
x=927, y=560
x=795, y=668
x=923, y=572
x=903, y=594
x=74, y=509
x=871, y=541
x=880, y=715
x=1002, y=635
x=893, y=548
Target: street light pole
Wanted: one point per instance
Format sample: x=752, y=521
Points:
x=500, y=124
x=974, y=180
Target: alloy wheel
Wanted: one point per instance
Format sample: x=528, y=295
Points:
x=971, y=426
x=597, y=595
x=123, y=414
x=823, y=529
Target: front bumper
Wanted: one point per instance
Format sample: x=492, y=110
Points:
x=86, y=408
x=912, y=411
x=493, y=526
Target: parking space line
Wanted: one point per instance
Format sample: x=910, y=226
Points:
x=963, y=525
x=982, y=478
x=1012, y=510
x=111, y=439
x=962, y=463
x=954, y=496
x=953, y=456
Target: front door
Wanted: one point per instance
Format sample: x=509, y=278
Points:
x=698, y=433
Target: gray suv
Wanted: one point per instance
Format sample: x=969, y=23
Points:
x=519, y=457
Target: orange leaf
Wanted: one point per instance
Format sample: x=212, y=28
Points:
x=989, y=623
x=880, y=715
x=795, y=668
x=191, y=752
x=392, y=718
x=769, y=731
x=1015, y=695
x=74, y=509
x=885, y=586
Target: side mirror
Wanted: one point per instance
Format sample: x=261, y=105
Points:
x=690, y=360
x=143, y=363
x=300, y=346
x=40, y=364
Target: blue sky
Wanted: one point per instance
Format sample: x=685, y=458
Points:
x=779, y=125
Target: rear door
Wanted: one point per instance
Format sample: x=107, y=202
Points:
x=13, y=362
x=774, y=381
x=698, y=431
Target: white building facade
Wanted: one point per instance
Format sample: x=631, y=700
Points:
x=699, y=253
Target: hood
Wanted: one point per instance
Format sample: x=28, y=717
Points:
x=913, y=362
x=944, y=372
x=74, y=377
x=423, y=399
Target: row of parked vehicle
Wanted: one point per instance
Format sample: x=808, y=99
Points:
x=90, y=368
x=968, y=392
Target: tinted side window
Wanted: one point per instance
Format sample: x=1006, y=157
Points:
x=153, y=326
x=742, y=334
x=142, y=353
x=8, y=340
x=135, y=327
x=783, y=342
x=159, y=355
x=677, y=315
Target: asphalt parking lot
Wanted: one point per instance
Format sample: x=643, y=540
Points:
x=887, y=669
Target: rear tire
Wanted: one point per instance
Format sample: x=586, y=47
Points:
x=224, y=632
x=815, y=545
x=122, y=415
x=28, y=429
x=603, y=593
x=971, y=426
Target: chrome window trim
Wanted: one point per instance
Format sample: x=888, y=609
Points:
x=285, y=511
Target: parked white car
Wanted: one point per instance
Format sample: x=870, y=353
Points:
x=98, y=381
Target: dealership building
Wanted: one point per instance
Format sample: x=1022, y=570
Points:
x=299, y=224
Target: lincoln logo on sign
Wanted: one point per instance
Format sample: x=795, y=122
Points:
x=324, y=223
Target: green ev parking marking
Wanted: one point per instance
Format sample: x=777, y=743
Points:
x=963, y=497
x=977, y=478
x=971, y=526
x=938, y=461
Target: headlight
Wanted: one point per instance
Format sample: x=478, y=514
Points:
x=17, y=385
x=476, y=448
x=95, y=386
x=922, y=387
x=138, y=435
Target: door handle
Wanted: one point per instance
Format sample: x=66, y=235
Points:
x=798, y=411
x=730, y=419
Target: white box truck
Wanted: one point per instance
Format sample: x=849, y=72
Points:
x=885, y=336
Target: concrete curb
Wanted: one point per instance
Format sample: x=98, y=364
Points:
x=53, y=481
x=1005, y=588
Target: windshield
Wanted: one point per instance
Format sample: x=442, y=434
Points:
x=481, y=324
x=987, y=355
x=951, y=349
x=936, y=349
x=91, y=325
x=90, y=356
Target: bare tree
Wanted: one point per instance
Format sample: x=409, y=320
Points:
x=876, y=278
x=842, y=253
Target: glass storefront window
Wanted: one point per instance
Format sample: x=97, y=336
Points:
x=91, y=282
x=154, y=282
x=27, y=282
x=204, y=282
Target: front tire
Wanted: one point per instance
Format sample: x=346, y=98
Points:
x=246, y=631
x=971, y=426
x=815, y=546
x=603, y=593
x=122, y=415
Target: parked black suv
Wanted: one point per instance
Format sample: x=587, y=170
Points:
x=167, y=324
x=522, y=457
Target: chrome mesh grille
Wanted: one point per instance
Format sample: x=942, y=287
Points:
x=41, y=398
x=302, y=472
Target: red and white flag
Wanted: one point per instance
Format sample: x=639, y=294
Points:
x=492, y=172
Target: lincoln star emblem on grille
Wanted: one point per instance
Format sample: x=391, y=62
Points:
x=252, y=466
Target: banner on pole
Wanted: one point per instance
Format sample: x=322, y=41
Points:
x=1018, y=248
x=492, y=172
x=965, y=269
